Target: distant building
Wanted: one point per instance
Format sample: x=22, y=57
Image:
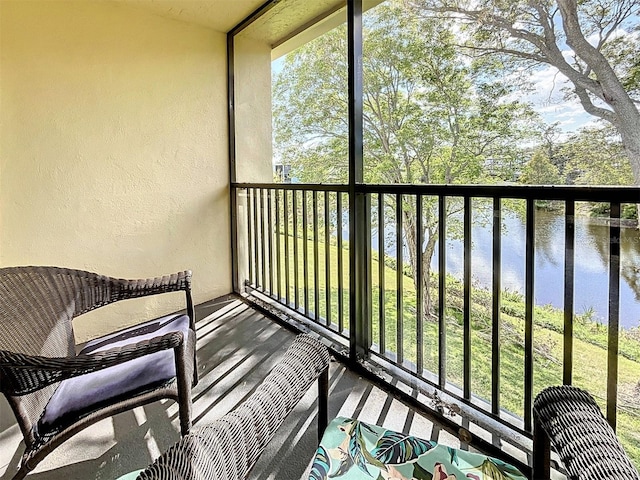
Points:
x=282, y=173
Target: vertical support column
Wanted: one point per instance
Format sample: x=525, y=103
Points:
x=233, y=200
x=614, y=314
x=358, y=264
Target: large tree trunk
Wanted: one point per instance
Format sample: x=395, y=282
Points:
x=631, y=141
x=624, y=114
x=430, y=236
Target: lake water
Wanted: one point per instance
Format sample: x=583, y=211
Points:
x=591, y=274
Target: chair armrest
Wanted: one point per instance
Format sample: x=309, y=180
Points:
x=22, y=374
x=229, y=447
x=125, y=289
x=571, y=422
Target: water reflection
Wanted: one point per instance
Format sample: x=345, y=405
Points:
x=591, y=263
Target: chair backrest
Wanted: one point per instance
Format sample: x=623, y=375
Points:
x=37, y=306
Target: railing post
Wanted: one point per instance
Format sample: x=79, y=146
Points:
x=614, y=314
x=359, y=236
x=233, y=193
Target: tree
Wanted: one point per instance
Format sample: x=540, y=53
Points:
x=429, y=116
x=540, y=171
x=603, y=62
x=596, y=157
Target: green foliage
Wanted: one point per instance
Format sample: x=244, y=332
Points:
x=629, y=212
x=593, y=43
x=596, y=156
x=540, y=171
x=430, y=115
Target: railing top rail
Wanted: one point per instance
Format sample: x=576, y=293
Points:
x=622, y=194
x=318, y=187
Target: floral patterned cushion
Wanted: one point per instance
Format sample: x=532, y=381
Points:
x=351, y=449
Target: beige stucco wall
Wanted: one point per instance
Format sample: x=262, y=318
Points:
x=253, y=129
x=253, y=110
x=113, y=146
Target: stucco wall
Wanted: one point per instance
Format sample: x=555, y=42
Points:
x=253, y=110
x=113, y=137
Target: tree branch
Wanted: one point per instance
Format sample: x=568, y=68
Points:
x=591, y=109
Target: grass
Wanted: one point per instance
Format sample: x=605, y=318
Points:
x=590, y=338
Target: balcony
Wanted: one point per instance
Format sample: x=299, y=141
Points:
x=120, y=155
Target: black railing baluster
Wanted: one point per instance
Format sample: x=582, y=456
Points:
x=278, y=247
x=296, y=272
x=305, y=252
x=249, y=233
x=528, y=314
x=466, y=313
x=327, y=259
x=614, y=314
x=569, y=257
x=287, y=281
x=340, y=263
x=382, y=324
x=263, y=241
x=420, y=289
x=256, y=248
x=495, y=308
x=442, y=291
x=399, y=283
x=270, y=242
x=316, y=262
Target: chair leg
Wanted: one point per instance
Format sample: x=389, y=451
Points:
x=323, y=402
x=541, y=453
x=184, y=391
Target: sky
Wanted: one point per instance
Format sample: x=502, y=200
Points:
x=548, y=100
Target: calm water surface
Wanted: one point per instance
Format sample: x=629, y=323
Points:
x=591, y=264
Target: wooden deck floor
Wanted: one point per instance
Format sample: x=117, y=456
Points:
x=236, y=347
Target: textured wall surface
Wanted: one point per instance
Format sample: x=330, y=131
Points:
x=253, y=110
x=113, y=138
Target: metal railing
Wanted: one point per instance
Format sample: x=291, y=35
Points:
x=298, y=250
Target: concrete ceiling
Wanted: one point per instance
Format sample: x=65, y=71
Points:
x=286, y=25
x=220, y=15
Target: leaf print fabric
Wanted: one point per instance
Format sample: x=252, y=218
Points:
x=395, y=448
x=354, y=450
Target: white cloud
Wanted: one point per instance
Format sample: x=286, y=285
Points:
x=547, y=97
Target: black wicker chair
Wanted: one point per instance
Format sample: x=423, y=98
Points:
x=55, y=392
x=227, y=448
x=570, y=420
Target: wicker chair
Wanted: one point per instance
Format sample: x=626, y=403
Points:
x=228, y=448
x=55, y=392
x=569, y=419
